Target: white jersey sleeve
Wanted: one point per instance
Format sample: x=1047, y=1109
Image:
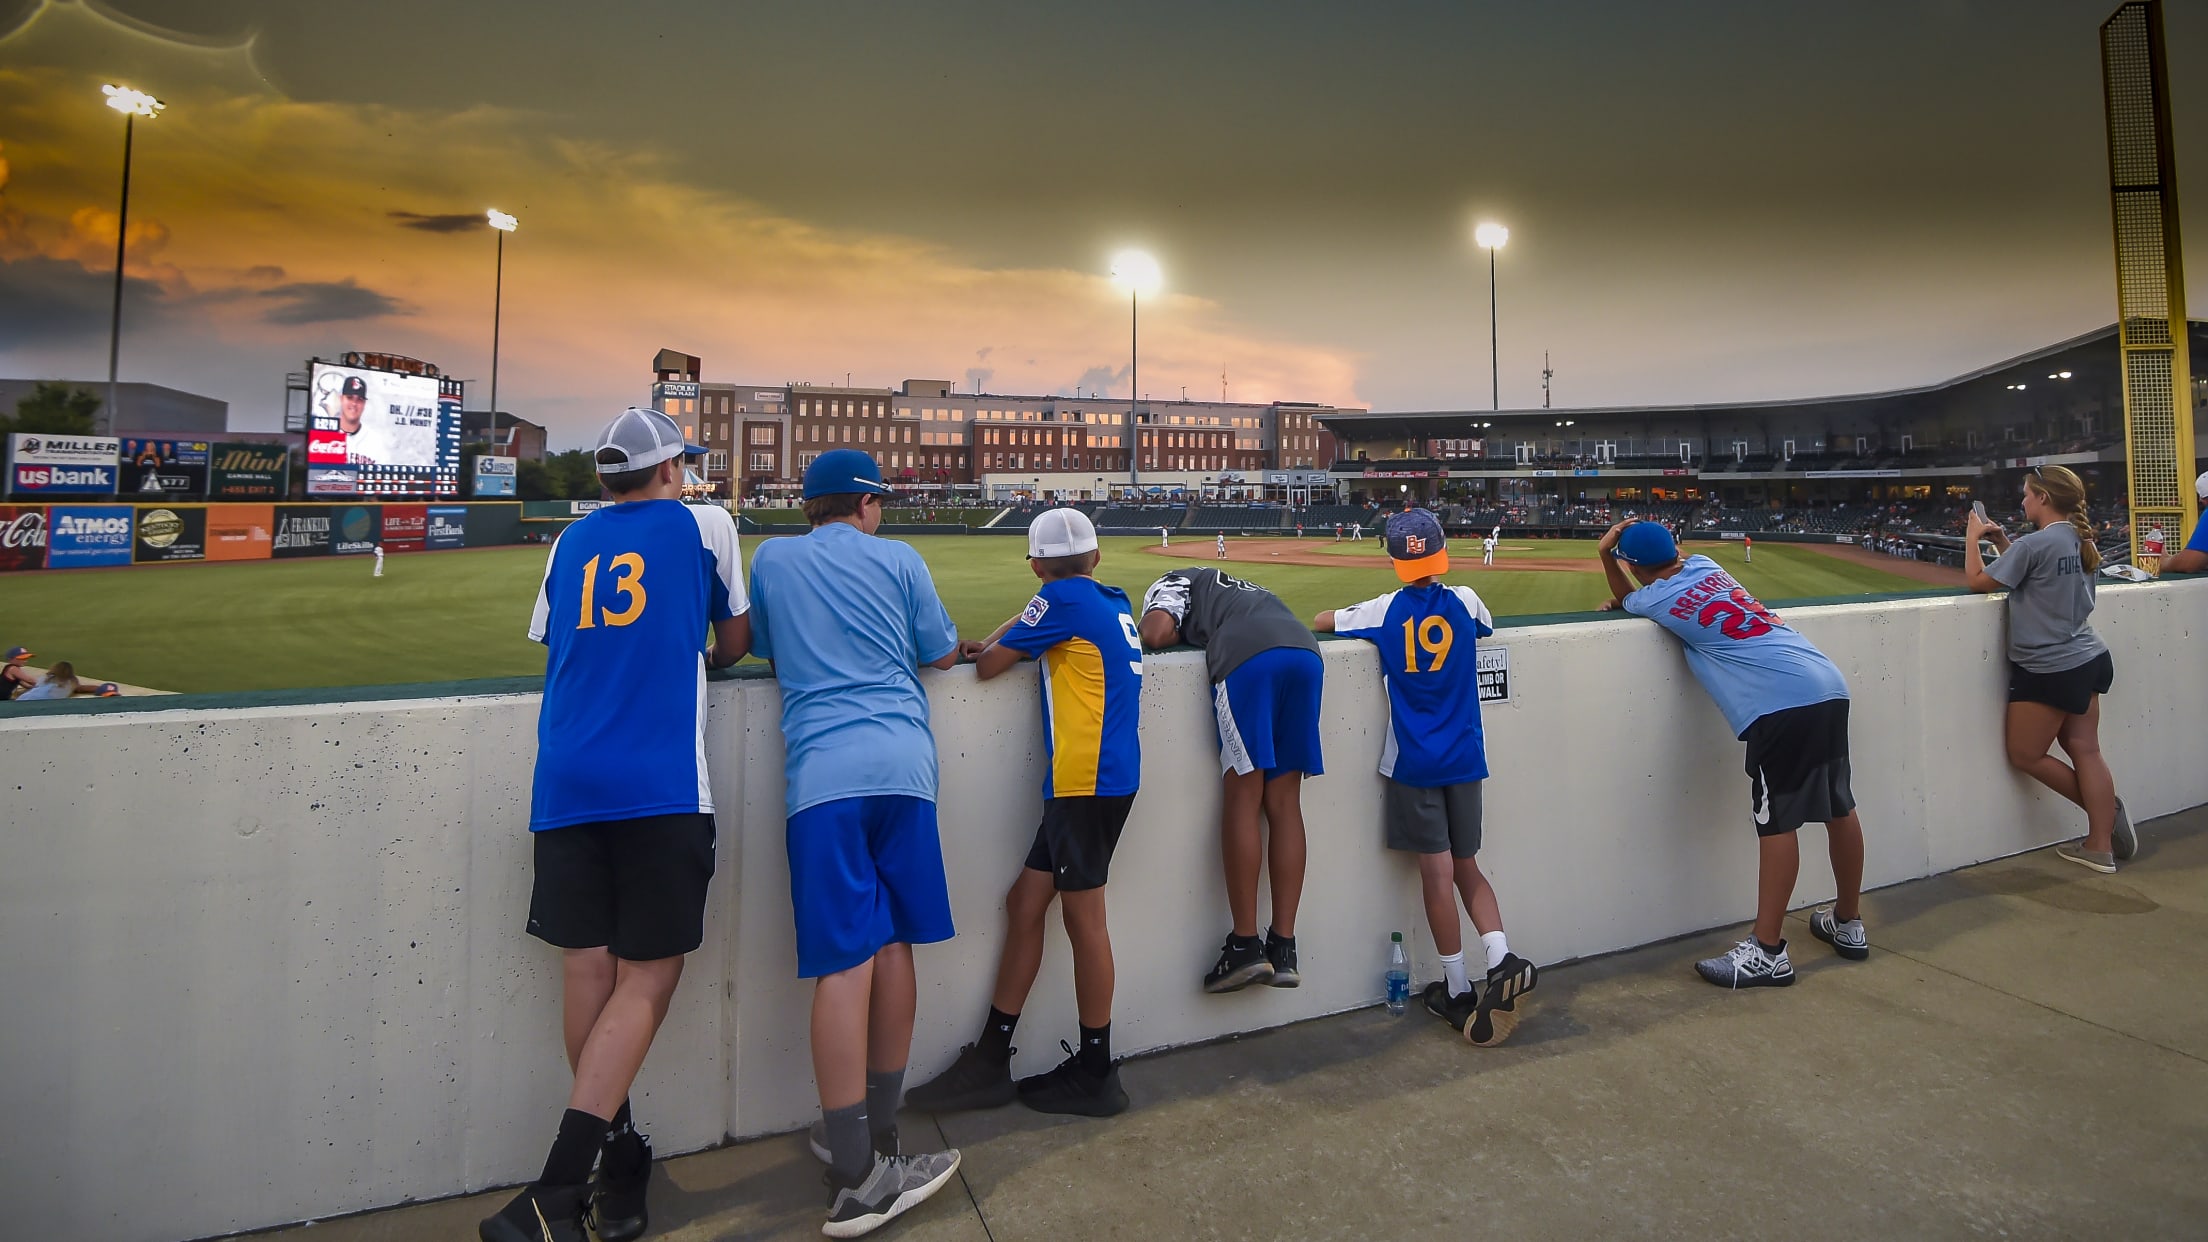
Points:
x=1169, y=595
x=1477, y=607
x=717, y=531
x=542, y=614
x=1360, y=620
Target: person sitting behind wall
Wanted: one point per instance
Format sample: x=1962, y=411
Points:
x=60, y=682
x=2193, y=557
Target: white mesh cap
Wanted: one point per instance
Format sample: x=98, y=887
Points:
x=643, y=438
x=1061, y=532
x=2200, y=485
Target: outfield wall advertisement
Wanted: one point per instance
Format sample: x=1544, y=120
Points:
x=248, y=472
x=22, y=537
x=240, y=532
x=62, y=465
x=156, y=468
x=357, y=530
x=405, y=528
x=172, y=534
x=302, y=530
x=447, y=527
x=82, y=536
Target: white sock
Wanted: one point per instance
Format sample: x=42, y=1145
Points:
x=1497, y=948
x=1452, y=967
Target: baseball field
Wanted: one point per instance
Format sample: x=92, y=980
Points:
x=446, y=616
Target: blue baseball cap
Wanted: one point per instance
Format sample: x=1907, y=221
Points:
x=838, y=472
x=1647, y=544
x=19, y=653
x=1417, y=545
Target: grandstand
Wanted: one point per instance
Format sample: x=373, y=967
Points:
x=1235, y=519
x=1139, y=519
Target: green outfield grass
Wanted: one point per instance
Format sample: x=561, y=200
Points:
x=455, y=615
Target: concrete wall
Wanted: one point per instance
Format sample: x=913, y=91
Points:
x=267, y=964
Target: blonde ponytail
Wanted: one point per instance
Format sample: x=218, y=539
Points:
x=2064, y=492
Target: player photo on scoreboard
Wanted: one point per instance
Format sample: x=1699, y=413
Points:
x=373, y=418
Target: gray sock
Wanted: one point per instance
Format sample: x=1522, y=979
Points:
x=850, y=1147
x=884, y=1091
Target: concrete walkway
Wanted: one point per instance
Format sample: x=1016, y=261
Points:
x=2025, y=1055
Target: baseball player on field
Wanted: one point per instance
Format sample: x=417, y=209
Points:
x=1789, y=703
x=1266, y=678
x=1487, y=550
x=1221, y=553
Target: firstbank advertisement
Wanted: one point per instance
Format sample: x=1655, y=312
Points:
x=80, y=536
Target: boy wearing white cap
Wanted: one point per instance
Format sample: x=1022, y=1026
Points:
x=621, y=814
x=1083, y=633
x=1781, y=696
x=2193, y=557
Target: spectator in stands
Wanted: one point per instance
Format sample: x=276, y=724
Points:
x=14, y=678
x=59, y=682
x=2193, y=558
x=2058, y=667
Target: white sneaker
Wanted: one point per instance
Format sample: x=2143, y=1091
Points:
x=1848, y=939
x=1746, y=965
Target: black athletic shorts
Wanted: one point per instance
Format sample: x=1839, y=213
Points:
x=634, y=886
x=2070, y=691
x=1075, y=841
x=1798, y=767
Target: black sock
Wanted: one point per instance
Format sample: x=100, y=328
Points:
x=622, y=1123
x=1096, y=1050
x=1244, y=942
x=575, y=1150
x=1273, y=936
x=1773, y=949
x=996, y=1034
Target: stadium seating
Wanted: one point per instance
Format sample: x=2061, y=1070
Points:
x=1126, y=518
x=1208, y=519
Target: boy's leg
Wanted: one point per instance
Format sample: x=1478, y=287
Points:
x=1025, y=907
x=1094, y=976
x=1283, y=804
x=614, y=1050
x=1778, y=864
x=1844, y=841
x=840, y=1026
x=1242, y=846
x=1437, y=886
x=586, y=984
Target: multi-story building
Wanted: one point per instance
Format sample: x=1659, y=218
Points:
x=929, y=437
x=508, y=435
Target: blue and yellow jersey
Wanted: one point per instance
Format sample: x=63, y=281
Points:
x=1084, y=634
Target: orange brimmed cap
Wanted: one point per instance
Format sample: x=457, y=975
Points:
x=1416, y=545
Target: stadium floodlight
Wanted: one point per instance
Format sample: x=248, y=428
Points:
x=1137, y=273
x=132, y=104
x=504, y=224
x=1491, y=237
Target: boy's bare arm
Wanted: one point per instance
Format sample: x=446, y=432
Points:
x=996, y=659
x=1159, y=629
x=1324, y=622
x=1620, y=585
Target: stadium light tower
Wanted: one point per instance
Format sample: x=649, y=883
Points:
x=504, y=224
x=132, y=104
x=1491, y=238
x=1137, y=273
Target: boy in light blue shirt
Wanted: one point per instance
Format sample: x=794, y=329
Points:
x=1789, y=703
x=848, y=620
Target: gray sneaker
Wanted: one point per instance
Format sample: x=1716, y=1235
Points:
x=1847, y=939
x=2098, y=860
x=2127, y=837
x=894, y=1186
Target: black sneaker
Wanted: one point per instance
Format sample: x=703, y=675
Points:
x=1072, y=1089
x=975, y=1080
x=539, y=1214
x=892, y=1187
x=1454, y=1010
x=1281, y=952
x=1498, y=1012
x=1239, y=967
x=617, y=1194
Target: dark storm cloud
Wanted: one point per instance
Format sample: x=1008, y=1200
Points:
x=51, y=301
x=329, y=301
x=455, y=222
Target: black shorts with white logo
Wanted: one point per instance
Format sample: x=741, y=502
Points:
x=1075, y=841
x=1798, y=767
x=634, y=886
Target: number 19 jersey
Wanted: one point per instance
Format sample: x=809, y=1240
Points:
x=1427, y=636
x=627, y=597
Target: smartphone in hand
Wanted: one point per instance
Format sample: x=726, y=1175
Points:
x=1979, y=507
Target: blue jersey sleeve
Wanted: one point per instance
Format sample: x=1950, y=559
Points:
x=2199, y=541
x=933, y=635
x=1043, y=624
x=762, y=638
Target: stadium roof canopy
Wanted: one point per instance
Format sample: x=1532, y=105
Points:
x=2099, y=343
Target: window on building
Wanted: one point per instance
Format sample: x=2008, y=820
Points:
x=762, y=435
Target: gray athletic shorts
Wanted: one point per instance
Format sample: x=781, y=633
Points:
x=1442, y=820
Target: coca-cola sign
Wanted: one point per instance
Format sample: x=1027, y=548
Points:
x=22, y=537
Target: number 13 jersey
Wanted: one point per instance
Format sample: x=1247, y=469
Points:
x=1751, y=662
x=628, y=594
x=1428, y=638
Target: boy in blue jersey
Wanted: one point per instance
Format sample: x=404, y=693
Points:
x=622, y=812
x=1432, y=765
x=848, y=621
x=1789, y=703
x=1083, y=632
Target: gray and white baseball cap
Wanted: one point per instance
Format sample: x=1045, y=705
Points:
x=642, y=438
x=1061, y=532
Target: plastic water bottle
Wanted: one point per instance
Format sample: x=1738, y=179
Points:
x=1399, y=976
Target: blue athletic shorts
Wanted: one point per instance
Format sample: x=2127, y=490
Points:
x=1268, y=713
x=865, y=873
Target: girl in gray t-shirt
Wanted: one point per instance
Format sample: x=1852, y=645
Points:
x=2058, y=667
